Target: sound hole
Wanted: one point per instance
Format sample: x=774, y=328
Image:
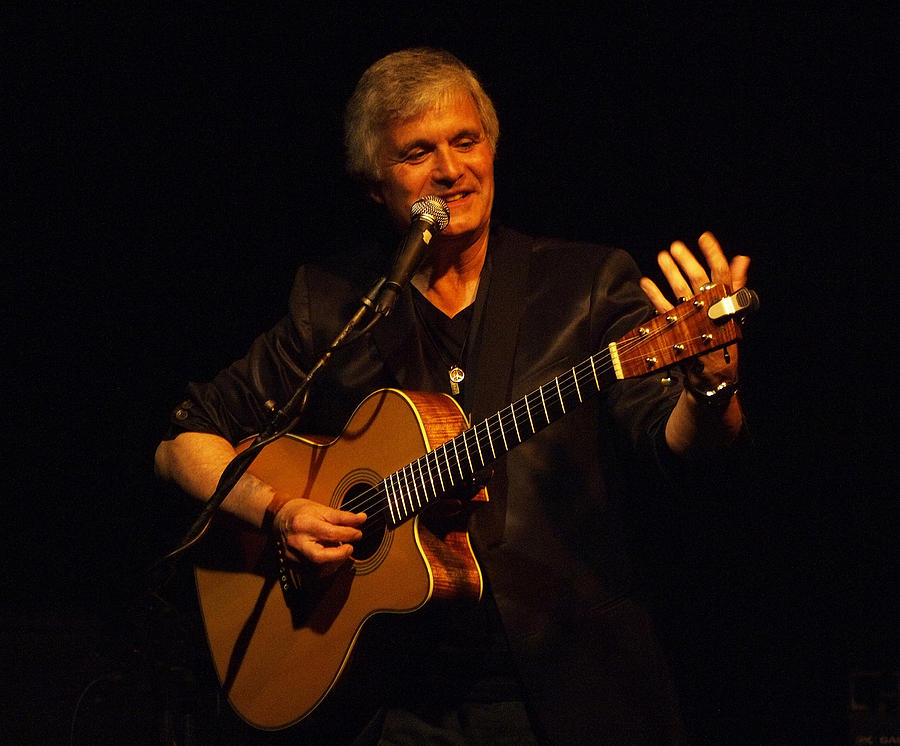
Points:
x=373, y=529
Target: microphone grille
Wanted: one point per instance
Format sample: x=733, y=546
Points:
x=433, y=209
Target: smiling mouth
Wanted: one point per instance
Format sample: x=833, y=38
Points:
x=454, y=197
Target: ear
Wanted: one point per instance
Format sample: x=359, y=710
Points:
x=375, y=194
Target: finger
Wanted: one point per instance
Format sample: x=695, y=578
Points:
x=656, y=296
x=740, y=266
x=680, y=286
x=343, y=517
x=327, y=533
x=689, y=265
x=323, y=555
x=304, y=546
x=719, y=269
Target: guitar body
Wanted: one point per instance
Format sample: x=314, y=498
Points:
x=279, y=653
x=279, y=645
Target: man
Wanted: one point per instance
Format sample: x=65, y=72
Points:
x=574, y=655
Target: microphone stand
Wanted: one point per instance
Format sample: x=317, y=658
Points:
x=282, y=421
x=427, y=214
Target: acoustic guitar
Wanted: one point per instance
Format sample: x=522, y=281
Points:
x=280, y=641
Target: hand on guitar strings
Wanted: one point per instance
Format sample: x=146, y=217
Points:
x=317, y=534
x=686, y=276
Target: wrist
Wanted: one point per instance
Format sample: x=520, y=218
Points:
x=278, y=501
x=717, y=397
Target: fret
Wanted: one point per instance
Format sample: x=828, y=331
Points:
x=559, y=394
x=502, y=432
x=438, y=467
x=585, y=376
x=468, y=455
x=577, y=387
x=528, y=411
x=478, y=444
x=401, y=506
x=407, y=496
x=544, y=404
x=414, y=498
x=430, y=488
x=458, y=462
x=390, y=500
x=423, y=464
x=396, y=497
x=487, y=429
x=434, y=491
x=416, y=477
x=423, y=500
x=512, y=411
x=481, y=460
x=594, y=368
x=447, y=461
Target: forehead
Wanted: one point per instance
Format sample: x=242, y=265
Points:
x=446, y=118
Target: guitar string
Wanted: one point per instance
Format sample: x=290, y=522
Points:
x=377, y=494
x=409, y=494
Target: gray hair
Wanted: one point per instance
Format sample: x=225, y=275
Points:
x=402, y=85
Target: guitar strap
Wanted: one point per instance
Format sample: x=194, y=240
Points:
x=497, y=333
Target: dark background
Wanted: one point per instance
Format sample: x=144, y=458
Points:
x=169, y=168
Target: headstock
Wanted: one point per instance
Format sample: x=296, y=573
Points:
x=706, y=322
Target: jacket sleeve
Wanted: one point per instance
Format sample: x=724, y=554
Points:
x=237, y=402
x=639, y=406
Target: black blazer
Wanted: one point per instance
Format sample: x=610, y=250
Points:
x=549, y=540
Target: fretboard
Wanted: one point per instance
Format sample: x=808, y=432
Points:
x=453, y=464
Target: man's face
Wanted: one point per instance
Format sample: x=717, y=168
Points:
x=442, y=152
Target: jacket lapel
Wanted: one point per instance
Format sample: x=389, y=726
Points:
x=498, y=333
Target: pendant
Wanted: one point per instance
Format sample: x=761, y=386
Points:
x=456, y=377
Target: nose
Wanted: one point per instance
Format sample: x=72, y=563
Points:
x=447, y=168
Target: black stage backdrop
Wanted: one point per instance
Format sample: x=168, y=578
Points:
x=170, y=167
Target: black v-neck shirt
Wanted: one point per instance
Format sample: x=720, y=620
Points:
x=446, y=339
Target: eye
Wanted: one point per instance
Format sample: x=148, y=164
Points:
x=415, y=156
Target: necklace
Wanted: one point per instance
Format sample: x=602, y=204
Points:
x=444, y=336
x=457, y=376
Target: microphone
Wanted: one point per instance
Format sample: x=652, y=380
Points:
x=429, y=216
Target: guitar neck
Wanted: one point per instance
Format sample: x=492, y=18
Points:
x=454, y=463
x=694, y=327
